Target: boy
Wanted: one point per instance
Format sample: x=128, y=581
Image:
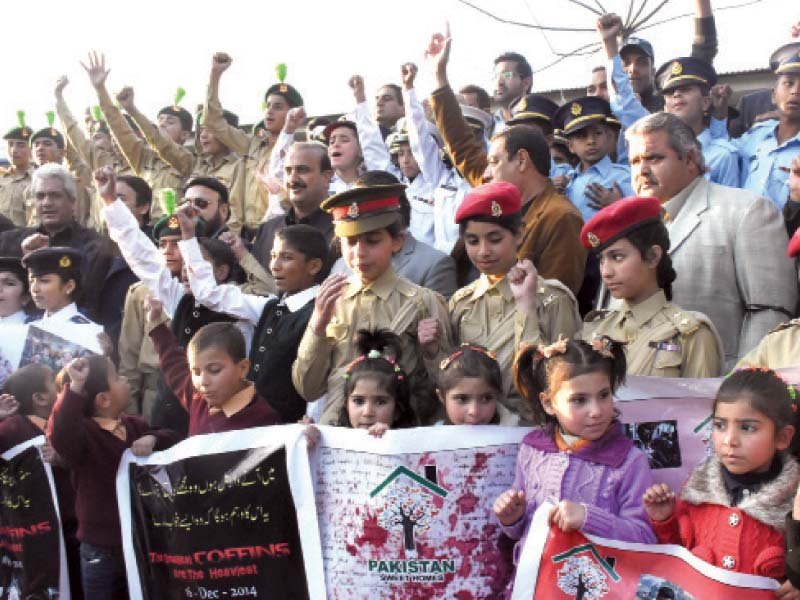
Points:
x=591, y=131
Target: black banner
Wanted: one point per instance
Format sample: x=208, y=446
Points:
x=30, y=539
x=217, y=526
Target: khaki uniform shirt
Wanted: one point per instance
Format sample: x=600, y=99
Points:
x=189, y=164
x=138, y=359
x=255, y=154
x=660, y=339
x=143, y=160
x=780, y=348
x=14, y=193
x=486, y=314
x=390, y=303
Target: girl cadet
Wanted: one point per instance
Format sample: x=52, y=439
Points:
x=660, y=339
x=367, y=220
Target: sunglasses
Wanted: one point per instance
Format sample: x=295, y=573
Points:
x=200, y=203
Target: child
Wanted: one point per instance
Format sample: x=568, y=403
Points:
x=369, y=224
x=54, y=275
x=732, y=510
x=376, y=389
x=469, y=386
x=486, y=311
x=345, y=154
x=579, y=458
x=90, y=431
x=14, y=293
x=211, y=384
x=660, y=339
x=298, y=264
x=592, y=134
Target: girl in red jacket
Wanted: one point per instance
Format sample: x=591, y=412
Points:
x=732, y=510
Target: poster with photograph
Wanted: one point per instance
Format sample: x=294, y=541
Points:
x=218, y=516
x=47, y=348
x=410, y=515
x=32, y=559
x=558, y=566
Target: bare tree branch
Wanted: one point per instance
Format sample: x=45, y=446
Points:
x=600, y=6
x=644, y=20
x=684, y=15
x=586, y=6
x=519, y=24
x=584, y=50
x=630, y=11
x=628, y=26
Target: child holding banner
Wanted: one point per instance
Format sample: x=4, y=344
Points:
x=90, y=431
x=660, y=339
x=470, y=386
x=732, y=511
x=580, y=458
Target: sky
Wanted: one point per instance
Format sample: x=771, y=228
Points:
x=160, y=45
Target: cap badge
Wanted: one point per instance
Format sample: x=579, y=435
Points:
x=677, y=68
x=593, y=239
x=173, y=222
x=64, y=262
x=497, y=210
x=283, y=88
x=576, y=109
x=352, y=212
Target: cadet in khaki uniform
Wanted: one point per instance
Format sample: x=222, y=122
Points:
x=255, y=149
x=660, y=338
x=485, y=312
x=369, y=224
x=780, y=347
x=16, y=181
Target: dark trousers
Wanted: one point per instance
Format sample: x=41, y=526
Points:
x=103, y=573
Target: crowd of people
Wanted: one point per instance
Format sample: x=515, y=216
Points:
x=474, y=257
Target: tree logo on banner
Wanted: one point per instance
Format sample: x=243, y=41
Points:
x=585, y=573
x=410, y=505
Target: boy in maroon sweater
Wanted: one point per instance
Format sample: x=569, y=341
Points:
x=90, y=431
x=209, y=378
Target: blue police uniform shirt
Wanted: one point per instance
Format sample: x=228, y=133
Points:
x=765, y=164
x=722, y=159
x=604, y=172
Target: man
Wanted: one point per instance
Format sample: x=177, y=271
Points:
x=389, y=107
x=513, y=77
x=210, y=197
x=519, y=155
x=598, y=86
x=255, y=150
x=54, y=199
x=173, y=121
x=727, y=245
x=15, y=182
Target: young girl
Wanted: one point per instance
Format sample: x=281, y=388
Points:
x=579, y=458
x=54, y=274
x=90, y=430
x=631, y=242
x=344, y=151
x=470, y=386
x=368, y=222
x=486, y=311
x=732, y=510
x=14, y=293
x=376, y=389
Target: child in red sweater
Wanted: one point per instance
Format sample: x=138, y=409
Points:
x=732, y=510
x=90, y=431
x=209, y=378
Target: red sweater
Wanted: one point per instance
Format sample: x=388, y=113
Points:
x=93, y=454
x=175, y=370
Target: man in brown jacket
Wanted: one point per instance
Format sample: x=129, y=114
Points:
x=518, y=155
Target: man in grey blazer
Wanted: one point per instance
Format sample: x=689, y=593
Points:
x=728, y=246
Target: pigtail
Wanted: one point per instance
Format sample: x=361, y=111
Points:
x=614, y=352
x=530, y=379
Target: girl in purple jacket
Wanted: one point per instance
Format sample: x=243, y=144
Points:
x=579, y=459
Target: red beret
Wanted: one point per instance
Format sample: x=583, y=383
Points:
x=793, y=249
x=496, y=199
x=619, y=219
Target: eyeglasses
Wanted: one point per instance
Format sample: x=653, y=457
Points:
x=200, y=203
x=504, y=75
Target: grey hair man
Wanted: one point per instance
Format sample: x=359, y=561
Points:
x=727, y=244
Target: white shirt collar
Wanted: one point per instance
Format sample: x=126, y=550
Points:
x=65, y=314
x=18, y=317
x=297, y=301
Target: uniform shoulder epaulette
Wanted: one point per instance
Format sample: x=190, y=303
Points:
x=684, y=321
x=79, y=319
x=786, y=325
x=551, y=289
x=596, y=315
x=407, y=288
x=464, y=291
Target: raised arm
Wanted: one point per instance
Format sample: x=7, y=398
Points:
x=373, y=149
x=624, y=103
x=704, y=46
x=71, y=127
x=171, y=357
x=423, y=146
x=233, y=137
